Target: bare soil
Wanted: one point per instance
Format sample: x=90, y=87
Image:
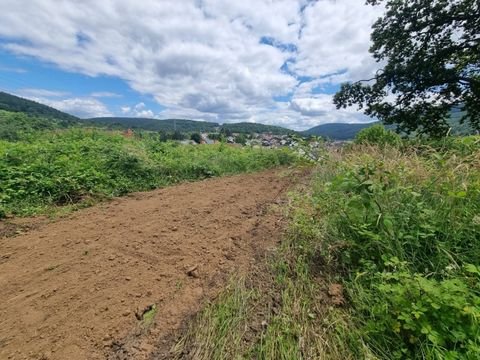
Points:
x=85, y=287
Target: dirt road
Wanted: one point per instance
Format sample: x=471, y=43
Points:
x=87, y=286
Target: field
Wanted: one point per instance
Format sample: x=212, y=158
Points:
x=371, y=253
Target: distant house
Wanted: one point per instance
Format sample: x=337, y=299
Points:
x=206, y=139
x=128, y=133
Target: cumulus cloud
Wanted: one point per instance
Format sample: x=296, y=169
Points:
x=211, y=59
x=140, y=110
x=81, y=107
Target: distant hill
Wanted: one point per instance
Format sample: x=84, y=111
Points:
x=183, y=125
x=245, y=127
x=17, y=104
x=341, y=131
x=168, y=125
x=337, y=131
x=457, y=128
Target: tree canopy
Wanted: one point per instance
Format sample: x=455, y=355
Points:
x=429, y=55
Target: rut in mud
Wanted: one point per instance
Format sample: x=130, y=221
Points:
x=114, y=280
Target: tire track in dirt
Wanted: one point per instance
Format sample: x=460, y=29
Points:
x=71, y=289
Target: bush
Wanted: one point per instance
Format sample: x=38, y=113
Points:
x=196, y=137
x=403, y=229
x=408, y=312
x=66, y=167
x=378, y=135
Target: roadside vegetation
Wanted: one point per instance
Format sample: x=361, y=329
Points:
x=43, y=165
x=381, y=260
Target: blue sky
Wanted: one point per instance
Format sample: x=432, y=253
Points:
x=256, y=60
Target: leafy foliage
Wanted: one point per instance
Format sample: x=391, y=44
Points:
x=432, y=64
x=70, y=166
x=196, y=137
x=15, y=126
x=378, y=135
x=402, y=227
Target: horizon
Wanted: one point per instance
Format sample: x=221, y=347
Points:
x=271, y=63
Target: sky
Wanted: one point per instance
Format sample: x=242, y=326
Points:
x=275, y=62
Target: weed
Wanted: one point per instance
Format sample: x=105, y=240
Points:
x=75, y=168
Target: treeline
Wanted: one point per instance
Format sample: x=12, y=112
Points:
x=169, y=125
x=185, y=126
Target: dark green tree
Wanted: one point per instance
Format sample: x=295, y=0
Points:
x=241, y=139
x=429, y=54
x=225, y=131
x=177, y=135
x=196, y=137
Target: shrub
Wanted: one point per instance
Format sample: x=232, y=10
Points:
x=378, y=135
x=402, y=227
x=68, y=166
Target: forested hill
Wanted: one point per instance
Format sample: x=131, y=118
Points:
x=14, y=103
x=248, y=128
x=340, y=131
x=183, y=125
x=337, y=131
x=153, y=124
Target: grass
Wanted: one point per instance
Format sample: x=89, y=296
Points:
x=398, y=228
x=218, y=331
x=78, y=167
x=149, y=316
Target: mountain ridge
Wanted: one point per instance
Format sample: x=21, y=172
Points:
x=13, y=103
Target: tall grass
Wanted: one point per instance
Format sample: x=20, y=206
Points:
x=67, y=167
x=402, y=228
x=399, y=228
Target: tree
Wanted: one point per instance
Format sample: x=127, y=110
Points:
x=241, y=139
x=430, y=52
x=196, y=137
x=177, y=135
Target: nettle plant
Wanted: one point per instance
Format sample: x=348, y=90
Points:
x=403, y=230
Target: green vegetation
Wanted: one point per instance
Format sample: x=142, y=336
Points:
x=378, y=135
x=219, y=330
x=248, y=128
x=402, y=227
x=15, y=126
x=182, y=125
x=76, y=165
x=395, y=228
x=14, y=103
x=168, y=125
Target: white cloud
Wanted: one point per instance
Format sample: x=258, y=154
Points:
x=203, y=58
x=336, y=38
x=41, y=93
x=81, y=107
x=140, y=110
x=105, y=94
